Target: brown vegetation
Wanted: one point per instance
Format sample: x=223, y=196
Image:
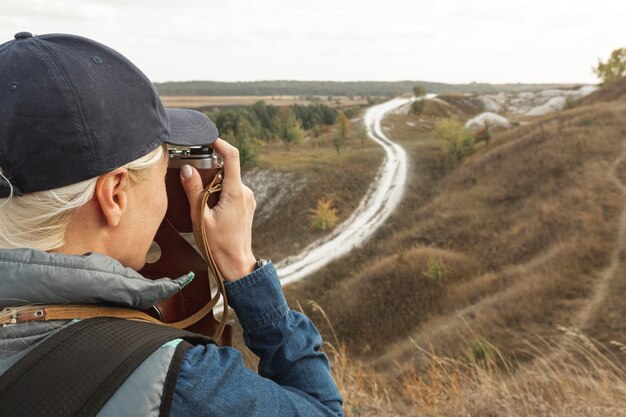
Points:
x=343, y=177
x=465, y=105
x=614, y=92
x=532, y=234
x=503, y=258
x=575, y=377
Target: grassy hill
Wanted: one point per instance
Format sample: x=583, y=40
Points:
x=507, y=273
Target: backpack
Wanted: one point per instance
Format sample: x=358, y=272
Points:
x=75, y=371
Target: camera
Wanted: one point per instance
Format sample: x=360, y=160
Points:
x=179, y=256
x=202, y=158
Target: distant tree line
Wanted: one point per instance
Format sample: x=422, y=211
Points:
x=329, y=88
x=314, y=115
x=246, y=126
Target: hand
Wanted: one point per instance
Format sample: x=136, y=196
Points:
x=228, y=224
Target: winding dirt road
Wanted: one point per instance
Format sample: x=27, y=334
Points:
x=376, y=206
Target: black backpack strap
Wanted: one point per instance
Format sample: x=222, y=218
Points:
x=172, y=378
x=75, y=371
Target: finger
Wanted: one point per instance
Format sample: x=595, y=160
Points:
x=192, y=184
x=230, y=154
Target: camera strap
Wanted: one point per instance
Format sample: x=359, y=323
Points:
x=199, y=231
x=42, y=312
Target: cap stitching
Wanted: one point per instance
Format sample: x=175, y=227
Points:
x=155, y=107
x=35, y=47
x=89, y=148
x=45, y=57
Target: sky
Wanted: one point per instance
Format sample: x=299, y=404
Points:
x=453, y=41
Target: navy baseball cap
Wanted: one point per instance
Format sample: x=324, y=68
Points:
x=72, y=109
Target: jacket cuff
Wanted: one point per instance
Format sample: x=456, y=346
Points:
x=257, y=298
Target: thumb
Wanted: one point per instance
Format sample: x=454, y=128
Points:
x=192, y=184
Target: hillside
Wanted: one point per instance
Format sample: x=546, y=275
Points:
x=613, y=92
x=505, y=253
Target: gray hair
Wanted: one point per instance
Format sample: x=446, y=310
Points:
x=39, y=220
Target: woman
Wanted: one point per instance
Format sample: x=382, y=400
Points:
x=82, y=193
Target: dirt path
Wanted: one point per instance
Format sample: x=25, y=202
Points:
x=605, y=277
x=378, y=203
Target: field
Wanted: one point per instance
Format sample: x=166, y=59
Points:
x=208, y=102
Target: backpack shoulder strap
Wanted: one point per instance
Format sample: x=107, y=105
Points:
x=172, y=378
x=75, y=371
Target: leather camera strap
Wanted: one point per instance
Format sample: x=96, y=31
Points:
x=43, y=312
x=199, y=231
x=15, y=315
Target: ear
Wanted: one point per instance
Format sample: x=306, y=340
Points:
x=112, y=195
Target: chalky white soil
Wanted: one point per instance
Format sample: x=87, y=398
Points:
x=378, y=203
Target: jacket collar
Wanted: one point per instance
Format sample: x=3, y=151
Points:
x=29, y=276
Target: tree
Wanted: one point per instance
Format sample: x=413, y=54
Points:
x=338, y=143
x=243, y=141
x=417, y=107
x=456, y=139
x=362, y=135
x=289, y=129
x=260, y=110
x=614, y=68
x=418, y=90
x=344, y=125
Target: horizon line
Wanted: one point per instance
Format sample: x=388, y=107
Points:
x=381, y=81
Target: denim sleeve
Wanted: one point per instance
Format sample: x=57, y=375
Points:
x=293, y=378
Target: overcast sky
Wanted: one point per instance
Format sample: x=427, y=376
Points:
x=452, y=41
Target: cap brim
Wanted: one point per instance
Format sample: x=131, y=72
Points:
x=190, y=128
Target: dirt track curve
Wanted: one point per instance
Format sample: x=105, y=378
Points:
x=379, y=202
x=610, y=273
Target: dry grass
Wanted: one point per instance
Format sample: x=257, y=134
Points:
x=364, y=391
x=343, y=177
x=465, y=105
x=615, y=91
x=366, y=306
x=527, y=227
x=528, y=230
x=568, y=376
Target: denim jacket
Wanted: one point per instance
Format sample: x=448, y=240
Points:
x=294, y=377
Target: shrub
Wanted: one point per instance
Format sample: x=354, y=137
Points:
x=417, y=107
x=324, y=216
x=456, y=139
x=338, y=143
x=480, y=350
x=436, y=270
